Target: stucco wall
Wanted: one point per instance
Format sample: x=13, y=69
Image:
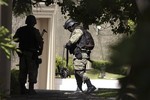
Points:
x=16, y=23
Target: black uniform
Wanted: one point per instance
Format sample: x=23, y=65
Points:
x=31, y=46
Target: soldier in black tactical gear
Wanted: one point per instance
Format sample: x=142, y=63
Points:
x=30, y=46
x=80, y=54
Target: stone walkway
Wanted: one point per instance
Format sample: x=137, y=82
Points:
x=57, y=95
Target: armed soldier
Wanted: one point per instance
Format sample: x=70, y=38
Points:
x=31, y=46
x=81, y=51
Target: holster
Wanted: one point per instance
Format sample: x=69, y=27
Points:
x=36, y=57
x=39, y=60
x=78, y=53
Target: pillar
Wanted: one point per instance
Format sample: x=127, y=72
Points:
x=6, y=21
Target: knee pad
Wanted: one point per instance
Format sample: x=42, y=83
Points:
x=85, y=78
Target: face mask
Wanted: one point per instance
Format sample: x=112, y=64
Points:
x=70, y=29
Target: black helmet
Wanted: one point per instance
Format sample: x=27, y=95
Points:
x=69, y=23
x=30, y=20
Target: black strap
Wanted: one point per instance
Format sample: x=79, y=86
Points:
x=63, y=54
x=67, y=57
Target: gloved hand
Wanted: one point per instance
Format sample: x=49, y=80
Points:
x=68, y=45
x=39, y=52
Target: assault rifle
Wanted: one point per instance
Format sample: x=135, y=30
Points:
x=39, y=60
x=44, y=31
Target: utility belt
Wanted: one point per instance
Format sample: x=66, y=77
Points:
x=85, y=51
x=35, y=54
x=81, y=53
x=28, y=50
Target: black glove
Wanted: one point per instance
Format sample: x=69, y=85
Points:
x=68, y=45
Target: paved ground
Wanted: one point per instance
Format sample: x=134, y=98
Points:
x=58, y=95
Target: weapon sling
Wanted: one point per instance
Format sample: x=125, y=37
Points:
x=67, y=56
x=64, y=72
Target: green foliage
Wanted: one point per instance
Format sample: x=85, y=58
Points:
x=122, y=52
x=5, y=38
x=115, y=12
x=6, y=41
x=62, y=63
x=109, y=67
x=133, y=50
x=3, y=2
x=132, y=26
x=100, y=64
x=22, y=7
x=2, y=32
x=119, y=13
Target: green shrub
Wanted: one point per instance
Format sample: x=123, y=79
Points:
x=106, y=66
x=6, y=42
x=62, y=63
x=118, y=70
x=100, y=64
x=70, y=66
x=59, y=61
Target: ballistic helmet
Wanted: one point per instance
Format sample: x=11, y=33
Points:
x=69, y=23
x=30, y=20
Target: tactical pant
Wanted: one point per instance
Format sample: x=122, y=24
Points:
x=80, y=78
x=80, y=69
x=27, y=68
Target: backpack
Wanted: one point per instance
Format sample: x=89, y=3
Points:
x=86, y=40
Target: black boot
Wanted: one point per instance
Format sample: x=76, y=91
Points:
x=23, y=89
x=79, y=84
x=79, y=81
x=31, y=89
x=91, y=87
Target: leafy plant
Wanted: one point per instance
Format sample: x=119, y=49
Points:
x=108, y=67
x=115, y=12
x=99, y=64
x=26, y=6
x=62, y=63
x=118, y=13
x=2, y=2
x=6, y=42
x=22, y=7
x=7, y=46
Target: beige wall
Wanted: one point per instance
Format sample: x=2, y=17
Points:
x=42, y=23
